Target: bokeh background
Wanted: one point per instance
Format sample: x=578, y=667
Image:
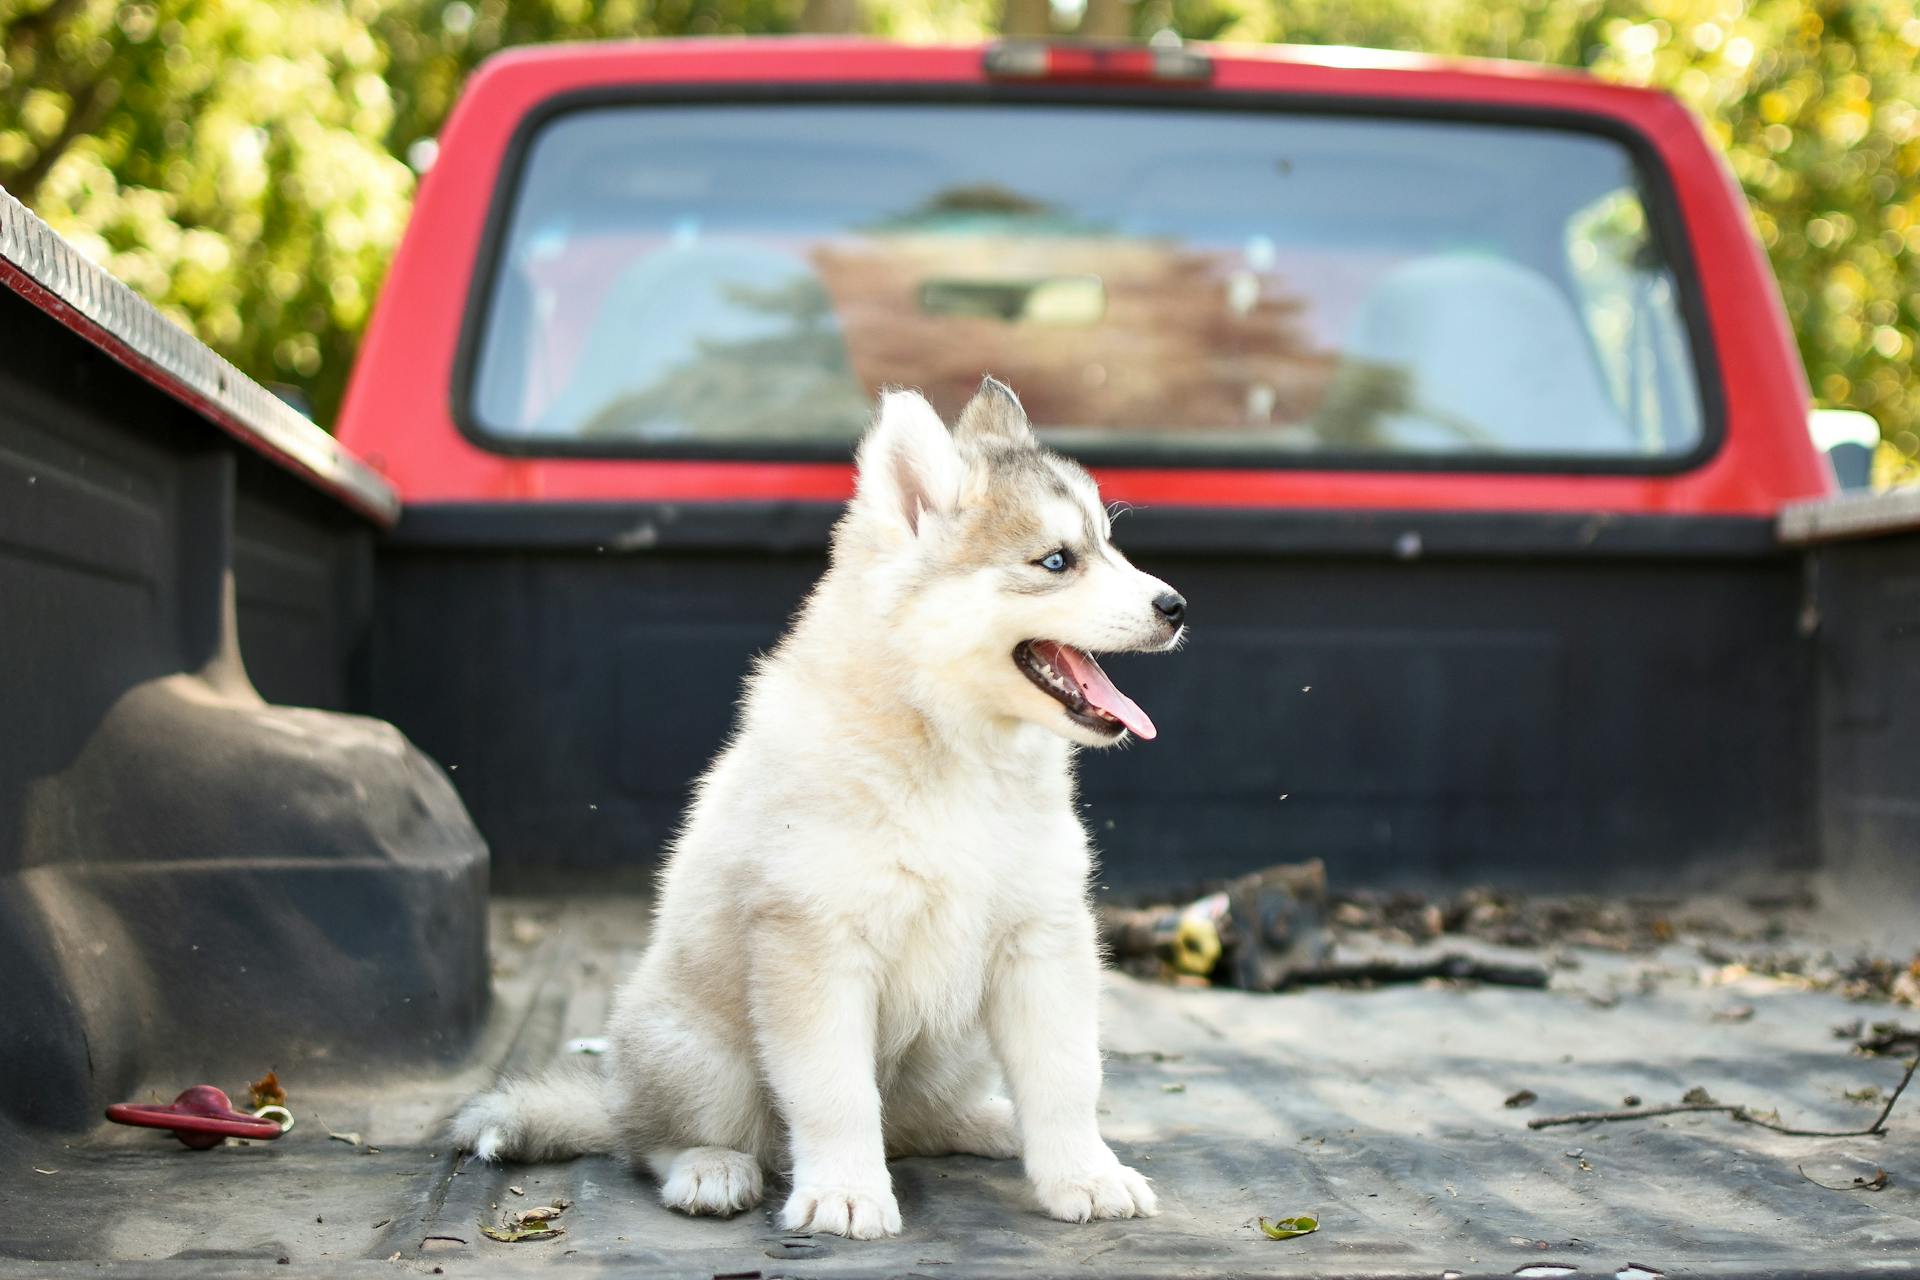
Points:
x=248, y=165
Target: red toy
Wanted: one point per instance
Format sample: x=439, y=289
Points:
x=201, y=1117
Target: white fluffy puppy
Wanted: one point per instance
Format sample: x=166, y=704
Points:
x=877, y=912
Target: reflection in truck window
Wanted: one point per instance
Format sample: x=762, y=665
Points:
x=1150, y=278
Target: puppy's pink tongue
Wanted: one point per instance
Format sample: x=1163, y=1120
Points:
x=1100, y=691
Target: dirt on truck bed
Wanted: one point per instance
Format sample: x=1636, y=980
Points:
x=1397, y=1115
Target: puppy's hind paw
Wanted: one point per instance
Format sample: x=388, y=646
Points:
x=863, y=1214
x=1114, y=1192
x=711, y=1180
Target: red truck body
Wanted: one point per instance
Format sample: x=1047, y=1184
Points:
x=1757, y=454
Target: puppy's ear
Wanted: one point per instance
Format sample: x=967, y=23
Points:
x=995, y=416
x=910, y=469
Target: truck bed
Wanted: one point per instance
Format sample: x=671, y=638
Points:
x=1380, y=1111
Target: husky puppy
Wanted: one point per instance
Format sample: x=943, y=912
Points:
x=877, y=909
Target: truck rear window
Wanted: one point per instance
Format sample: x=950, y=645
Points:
x=1202, y=284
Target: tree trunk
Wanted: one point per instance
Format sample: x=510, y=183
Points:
x=1026, y=18
x=830, y=17
x=1107, y=20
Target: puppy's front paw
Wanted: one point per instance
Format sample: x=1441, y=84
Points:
x=859, y=1214
x=1112, y=1192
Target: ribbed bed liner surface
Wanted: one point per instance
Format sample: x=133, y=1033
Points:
x=1380, y=1112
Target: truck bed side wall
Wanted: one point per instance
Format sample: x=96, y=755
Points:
x=1869, y=727
x=198, y=877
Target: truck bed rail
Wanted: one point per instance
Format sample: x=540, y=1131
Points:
x=42, y=267
x=1857, y=515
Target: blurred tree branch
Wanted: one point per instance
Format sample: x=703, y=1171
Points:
x=88, y=106
x=29, y=27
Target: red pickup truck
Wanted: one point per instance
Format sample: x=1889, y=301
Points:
x=1456, y=398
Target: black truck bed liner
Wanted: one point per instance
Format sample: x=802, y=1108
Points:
x=1379, y=1111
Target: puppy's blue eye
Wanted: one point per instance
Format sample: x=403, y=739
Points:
x=1057, y=562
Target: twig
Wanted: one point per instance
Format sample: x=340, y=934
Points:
x=1743, y=1114
x=1880, y=1121
x=1451, y=965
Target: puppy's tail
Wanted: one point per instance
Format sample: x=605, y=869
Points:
x=565, y=1111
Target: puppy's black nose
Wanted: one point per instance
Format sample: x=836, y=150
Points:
x=1172, y=606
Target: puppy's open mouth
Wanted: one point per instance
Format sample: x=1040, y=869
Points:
x=1074, y=680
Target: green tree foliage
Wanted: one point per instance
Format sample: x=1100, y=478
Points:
x=245, y=163
x=226, y=160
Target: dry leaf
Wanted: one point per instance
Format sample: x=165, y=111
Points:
x=514, y=1235
x=1288, y=1228
x=1906, y=987
x=1524, y=1098
x=529, y=1224
x=1875, y=1181
x=266, y=1092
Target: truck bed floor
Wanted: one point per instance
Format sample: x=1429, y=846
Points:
x=1381, y=1112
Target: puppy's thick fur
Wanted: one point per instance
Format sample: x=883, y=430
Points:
x=877, y=910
